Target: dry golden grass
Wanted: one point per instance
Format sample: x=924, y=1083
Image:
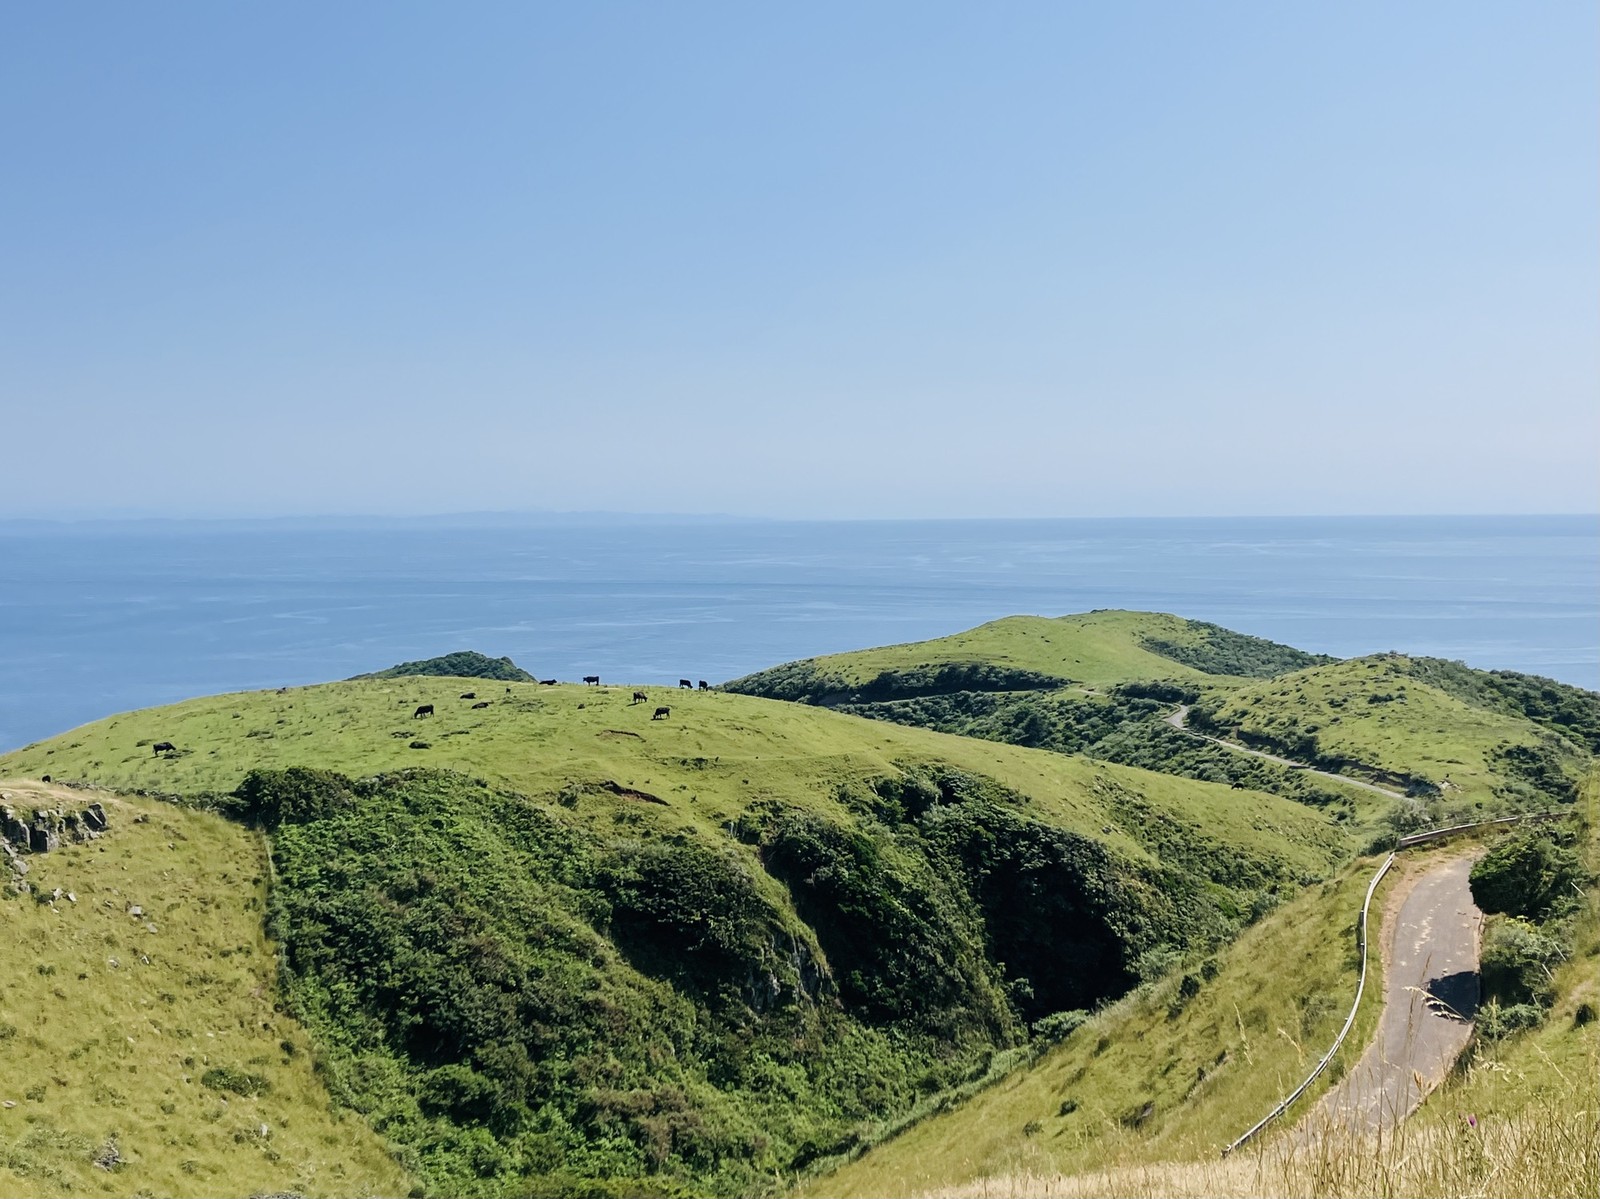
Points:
x=1549, y=1149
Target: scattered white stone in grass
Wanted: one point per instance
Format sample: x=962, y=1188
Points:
x=9, y=1103
x=71, y=898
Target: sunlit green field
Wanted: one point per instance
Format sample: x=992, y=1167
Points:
x=1368, y=710
x=702, y=765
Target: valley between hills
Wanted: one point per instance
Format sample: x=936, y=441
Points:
x=1011, y=911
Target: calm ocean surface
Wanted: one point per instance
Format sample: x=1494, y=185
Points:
x=96, y=621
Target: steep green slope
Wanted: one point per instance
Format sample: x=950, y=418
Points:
x=618, y=951
x=137, y=1016
x=1373, y=717
x=1172, y=1072
x=1029, y=652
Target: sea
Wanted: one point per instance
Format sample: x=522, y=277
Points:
x=97, y=618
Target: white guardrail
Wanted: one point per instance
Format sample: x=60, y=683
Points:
x=1361, y=983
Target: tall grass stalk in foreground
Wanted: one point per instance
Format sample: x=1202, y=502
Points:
x=1552, y=1148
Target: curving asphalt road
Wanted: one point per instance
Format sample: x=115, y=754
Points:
x=1430, y=995
x=1178, y=718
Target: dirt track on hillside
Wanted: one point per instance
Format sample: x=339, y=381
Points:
x=1178, y=718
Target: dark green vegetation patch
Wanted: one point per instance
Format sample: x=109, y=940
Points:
x=463, y=664
x=524, y=1003
x=1216, y=650
x=806, y=683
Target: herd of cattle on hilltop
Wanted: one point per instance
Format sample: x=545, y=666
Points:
x=425, y=710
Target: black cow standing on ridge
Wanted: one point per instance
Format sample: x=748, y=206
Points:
x=705, y=686
x=686, y=683
x=422, y=710
x=639, y=697
x=592, y=679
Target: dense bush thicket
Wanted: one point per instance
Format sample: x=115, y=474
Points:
x=802, y=682
x=1535, y=874
x=463, y=664
x=1125, y=725
x=525, y=1004
x=1222, y=651
x=1531, y=885
x=1532, y=772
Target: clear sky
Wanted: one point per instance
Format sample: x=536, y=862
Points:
x=820, y=259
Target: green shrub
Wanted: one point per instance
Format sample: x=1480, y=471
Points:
x=239, y=1082
x=1530, y=874
x=269, y=798
x=1517, y=961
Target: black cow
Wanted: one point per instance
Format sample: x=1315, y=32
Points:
x=469, y=695
x=544, y=683
x=686, y=683
x=1239, y=787
x=422, y=710
x=705, y=686
x=639, y=697
x=662, y=714
x=163, y=747
x=482, y=703
x=592, y=679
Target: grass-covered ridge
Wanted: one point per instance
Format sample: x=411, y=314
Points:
x=1376, y=717
x=602, y=949
x=1095, y=649
x=138, y=1014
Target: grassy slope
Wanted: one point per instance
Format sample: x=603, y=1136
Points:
x=1137, y=1053
x=1096, y=648
x=707, y=763
x=103, y=1051
x=1420, y=730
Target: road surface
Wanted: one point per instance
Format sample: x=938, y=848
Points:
x=1430, y=995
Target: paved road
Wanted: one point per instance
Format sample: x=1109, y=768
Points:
x=1178, y=718
x=1430, y=994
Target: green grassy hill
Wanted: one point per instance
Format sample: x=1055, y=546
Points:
x=138, y=1015
x=583, y=949
x=1376, y=717
x=1464, y=743
x=1093, y=649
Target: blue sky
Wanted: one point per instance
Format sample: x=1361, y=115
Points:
x=821, y=260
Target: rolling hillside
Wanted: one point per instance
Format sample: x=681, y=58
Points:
x=1375, y=717
x=1462, y=743
x=543, y=940
x=1093, y=649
